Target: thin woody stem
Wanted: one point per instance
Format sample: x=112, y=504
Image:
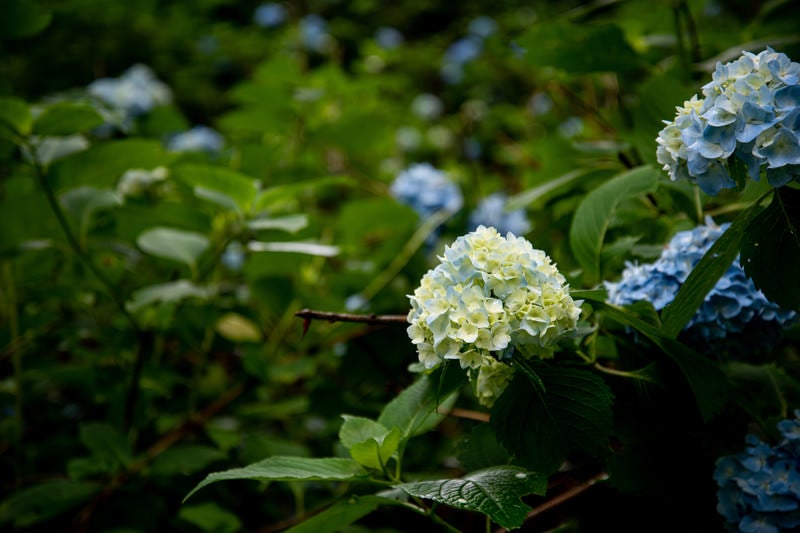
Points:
x=371, y=319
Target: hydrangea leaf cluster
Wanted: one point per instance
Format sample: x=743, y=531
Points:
x=197, y=139
x=734, y=309
x=426, y=190
x=759, y=489
x=134, y=93
x=750, y=111
x=489, y=298
x=491, y=211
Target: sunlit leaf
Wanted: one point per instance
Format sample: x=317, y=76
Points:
x=177, y=245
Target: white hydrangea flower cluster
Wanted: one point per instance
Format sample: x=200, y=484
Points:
x=750, y=110
x=490, y=297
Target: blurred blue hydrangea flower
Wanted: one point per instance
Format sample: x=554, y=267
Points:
x=134, y=93
x=426, y=190
x=270, y=15
x=750, y=111
x=233, y=257
x=491, y=212
x=759, y=489
x=482, y=26
x=734, y=309
x=197, y=139
x=314, y=34
x=427, y=106
x=389, y=38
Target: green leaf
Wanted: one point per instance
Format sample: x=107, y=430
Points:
x=66, y=118
x=46, y=500
x=172, y=291
x=239, y=187
x=279, y=194
x=495, y=492
x=308, y=248
x=107, y=444
x=177, y=245
x=707, y=381
x=82, y=203
x=480, y=449
x=184, y=459
x=531, y=196
x=237, y=328
x=771, y=249
x=595, y=213
x=705, y=274
x=578, y=48
x=281, y=468
x=416, y=409
x=210, y=517
x=575, y=415
x=104, y=163
x=376, y=451
x=370, y=443
x=341, y=514
x=15, y=114
x=22, y=18
x=289, y=223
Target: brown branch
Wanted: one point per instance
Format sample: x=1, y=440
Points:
x=466, y=414
x=562, y=497
x=371, y=319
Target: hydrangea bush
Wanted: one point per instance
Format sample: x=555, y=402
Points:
x=759, y=488
x=735, y=315
x=490, y=297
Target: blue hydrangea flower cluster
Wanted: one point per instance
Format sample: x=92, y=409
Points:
x=749, y=111
x=270, y=15
x=759, y=489
x=734, y=309
x=466, y=49
x=314, y=34
x=134, y=93
x=427, y=190
x=491, y=212
x=389, y=38
x=197, y=139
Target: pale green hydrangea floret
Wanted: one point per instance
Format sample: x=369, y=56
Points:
x=490, y=296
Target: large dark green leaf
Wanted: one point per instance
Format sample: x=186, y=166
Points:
x=494, y=491
x=283, y=468
x=578, y=48
x=417, y=409
x=705, y=275
x=574, y=413
x=595, y=213
x=44, y=501
x=342, y=514
x=771, y=249
x=65, y=118
x=707, y=381
x=211, y=517
x=22, y=18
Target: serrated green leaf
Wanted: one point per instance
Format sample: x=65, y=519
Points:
x=707, y=381
x=66, y=118
x=15, y=114
x=480, y=449
x=495, y=492
x=594, y=215
x=575, y=415
x=375, y=452
x=771, y=249
x=342, y=514
x=578, y=48
x=239, y=187
x=417, y=409
x=705, y=275
x=282, y=468
x=46, y=500
x=177, y=245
